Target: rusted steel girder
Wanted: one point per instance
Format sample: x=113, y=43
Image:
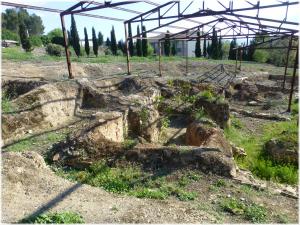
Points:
x=287, y=61
x=63, y=26
x=293, y=80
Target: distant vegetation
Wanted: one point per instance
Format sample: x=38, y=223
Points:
x=215, y=48
x=258, y=162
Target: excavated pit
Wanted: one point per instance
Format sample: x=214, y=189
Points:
x=131, y=108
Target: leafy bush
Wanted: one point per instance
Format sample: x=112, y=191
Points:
x=58, y=218
x=58, y=41
x=45, y=40
x=9, y=35
x=107, y=51
x=120, y=53
x=150, y=50
x=250, y=211
x=36, y=40
x=261, y=56
x=54, y=50
x=256, y=213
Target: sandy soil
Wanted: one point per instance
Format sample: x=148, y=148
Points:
x=29, y=187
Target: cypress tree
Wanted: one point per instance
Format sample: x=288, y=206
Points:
x=130, y=41
x=204, y=48
x=75, y=36
x=214, y=45
x=26, y=45
x=100, y=38
x=208, y=49
x=173, y=49
x=95, y=42
x=86, y=43
x=167, y=44
x=144, y=42
x=220, y=51
x=251, y=50
x=121, y=46
x=107, y=42
x=198, y=46
x=232, y=52
x=138, y=43
x=113, y=45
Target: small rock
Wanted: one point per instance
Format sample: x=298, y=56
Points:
x=242, y=199
x=29, y=131
x=229, y=196
x=253, y=103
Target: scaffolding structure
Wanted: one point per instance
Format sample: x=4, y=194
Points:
x=229, y=23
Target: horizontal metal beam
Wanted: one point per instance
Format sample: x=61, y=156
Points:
x=263, y=19
x=17, y=5
x=102, y=6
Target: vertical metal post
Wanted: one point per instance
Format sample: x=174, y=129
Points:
x=287, y=61
x=241, y=56
x=293, y=80
x=159, y=60
x=187, y=54
x=66, y=46
x=127, y=50
x=236, y=56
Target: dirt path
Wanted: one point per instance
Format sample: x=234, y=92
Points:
x=29, y=187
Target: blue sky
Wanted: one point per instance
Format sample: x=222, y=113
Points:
x=52, y=20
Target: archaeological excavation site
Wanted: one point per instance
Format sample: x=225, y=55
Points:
x=193, y=118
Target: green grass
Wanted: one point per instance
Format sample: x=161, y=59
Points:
x=6, y=105
x=248, y=210
x=129, y=144
x=56, y=218
x=132, y=180
x=256, y=161
x=36, y=141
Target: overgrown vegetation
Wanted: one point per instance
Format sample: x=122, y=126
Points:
x=56, y=218
x=249, y=210
x=37, y=141
x=6, y=105
x=131, y=180
x=256, y=161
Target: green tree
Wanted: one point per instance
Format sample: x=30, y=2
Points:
x=208, y=49
x=204, y=48
x=214, y=45
x=9, y=35
x=220, y=50
x=167, y=44
x=75, y=36
x=113, y=45
x=251, y=50
x=139, y=43
x=107, y=42
x=198, y=46
x=121, y=46
x=35, y=25
x=100, y=38
x=26, y=45
x=95, y=42
x=86, y=42
x=173, y=48
x=130, y=41
x=10, y=20
x=232, y=53
x=144, y=42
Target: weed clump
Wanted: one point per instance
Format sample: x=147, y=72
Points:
x=56, y=218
